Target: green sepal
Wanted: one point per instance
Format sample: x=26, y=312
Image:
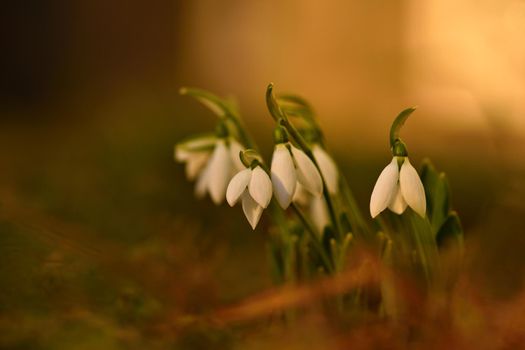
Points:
x=249, y=156
x=280, y=135
x=399, y=149
x=437, y=192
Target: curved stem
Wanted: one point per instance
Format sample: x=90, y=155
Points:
x=243, y=135
x=306, y=149
x=398, y=124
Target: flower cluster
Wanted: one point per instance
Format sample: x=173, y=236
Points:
x=312, y=208
x=301, y=173
x=212, y=161
x=255, y=189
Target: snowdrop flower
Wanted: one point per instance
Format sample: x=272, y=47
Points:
x=290, y=166
x=319, y=213
x=328, y=168
x=195, y=153
x=254, y=188
x=315, y=205
x=212, y=161
x=397, y=188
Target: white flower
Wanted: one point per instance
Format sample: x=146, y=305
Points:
x=315, y=205
x=213, y=161
x=396, y=189
x=255, y=189
x=195, y=153
x=290, y=166
x=319, y=213
x=328, y=168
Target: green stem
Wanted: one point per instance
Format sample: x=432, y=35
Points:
x=279, y=116
x=306, y=149
x=315, y=239
x=418, y=235
x=243, y=135
x=358, y=223
x=398, y=123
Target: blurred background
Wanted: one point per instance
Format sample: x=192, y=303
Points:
x=102, y=244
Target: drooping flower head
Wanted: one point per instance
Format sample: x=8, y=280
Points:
x=315, y=206
x=291, y=166
x=212, y=160
x=328, y=168
x=398, y=185
x=253, y=186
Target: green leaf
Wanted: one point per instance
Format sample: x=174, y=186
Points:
x=451, y=232
x=217, y=105
x=295, y=105
x=437, y=192
x=346, y=226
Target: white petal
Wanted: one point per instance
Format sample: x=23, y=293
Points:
x=284, y=178
x=319, y=213
x=384, y=188
x=181, y=154
x=237, y=186
x=251, y=209
x=412, y=188
x=201, y=187
x=307, y=173
x=397, y=202
x=328, y=168
x=195, y=163
x=301, y=195
x=235, y=149
x=260, y=187
x=219, y=172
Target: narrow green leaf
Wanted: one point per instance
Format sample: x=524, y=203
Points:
x=451, y=232
x=346, y=226
x=437, y=192
x=217, y=105
x=295, y=105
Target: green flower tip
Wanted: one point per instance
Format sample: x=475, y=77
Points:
x=280, y=135
x=250, y=158
x=399, y=149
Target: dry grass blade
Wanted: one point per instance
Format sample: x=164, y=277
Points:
x=291, y=296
